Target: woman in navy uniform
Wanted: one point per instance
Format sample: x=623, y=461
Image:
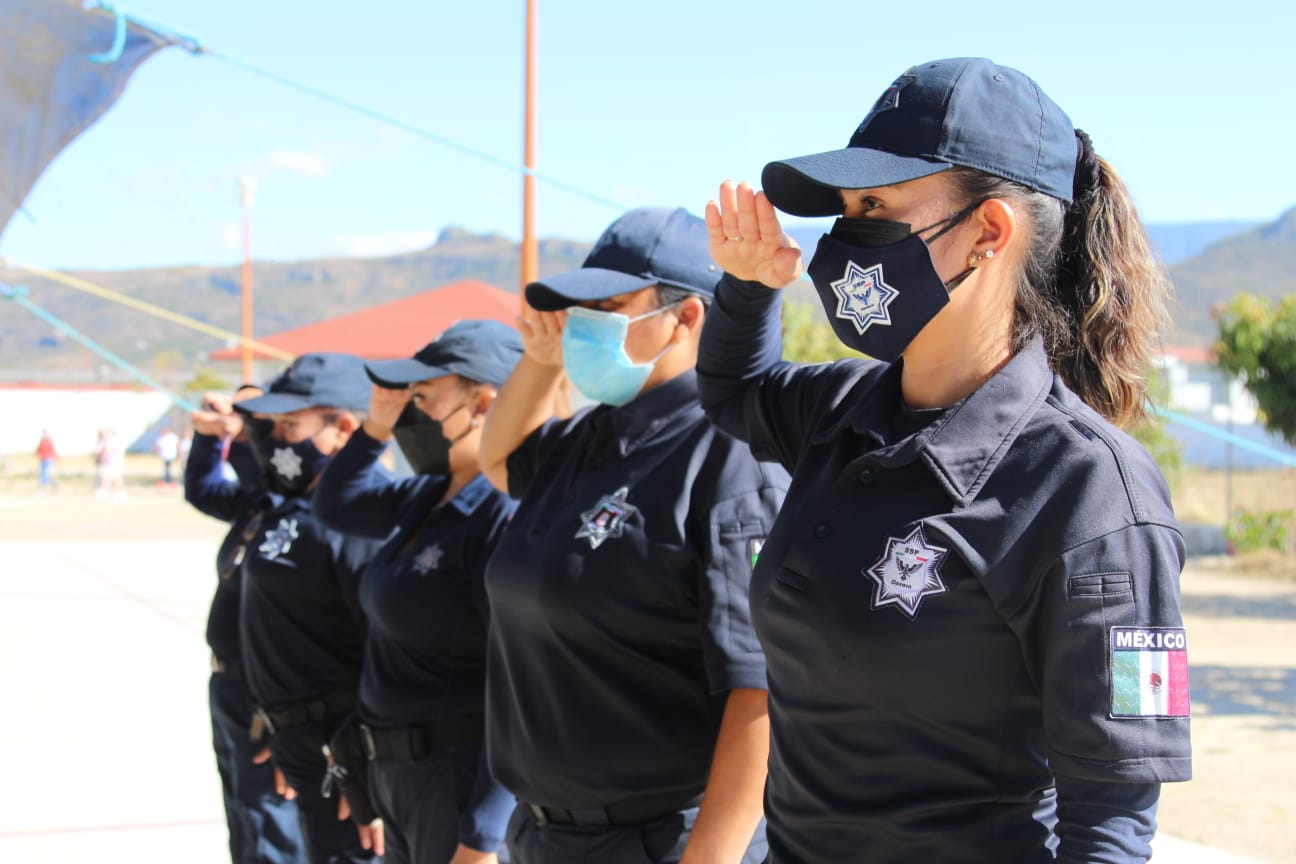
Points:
x=970, y=605
x=263, y=827
x=422, y=691
x=624, y=680
x=300, y=623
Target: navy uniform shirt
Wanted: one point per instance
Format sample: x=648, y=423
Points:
x=300, y=622
x=424, y=601
x=950, y=614
x=211, y=492
x=619, y=614
x=423, y=597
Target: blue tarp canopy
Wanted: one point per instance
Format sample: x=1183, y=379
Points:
x=62, y=66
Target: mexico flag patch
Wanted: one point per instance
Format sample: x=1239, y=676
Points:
x=1149, y=672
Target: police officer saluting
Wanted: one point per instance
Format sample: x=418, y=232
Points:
x=624, y=680
x=422, y=692
x=300, y=621
x=970, y=603
x=263, y=826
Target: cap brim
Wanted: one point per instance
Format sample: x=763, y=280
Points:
x=397, y=374
x=578, y=286
x=808, y=185
x=273, y=403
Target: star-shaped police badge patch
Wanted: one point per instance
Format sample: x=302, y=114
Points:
x=606, y=518
x=863, y=296
x=287, y=463
x=279, y=539
x=908, y=571
x=429, y=559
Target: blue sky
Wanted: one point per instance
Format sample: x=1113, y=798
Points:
x=642, y=103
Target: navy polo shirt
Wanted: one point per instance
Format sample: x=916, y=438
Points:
x=950, y=613
x=619, y=613
x=422, y=594
x=210, y=492
x=300, y=621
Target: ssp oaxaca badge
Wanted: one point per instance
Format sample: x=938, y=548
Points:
x=1149, y=672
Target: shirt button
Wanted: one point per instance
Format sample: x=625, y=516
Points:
x=865, y=476
x=822, y=530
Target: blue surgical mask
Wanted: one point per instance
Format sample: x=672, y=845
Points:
x=594, y=355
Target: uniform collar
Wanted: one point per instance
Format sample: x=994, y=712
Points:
x=645, y=416
x=964, y=446
x=470, y=497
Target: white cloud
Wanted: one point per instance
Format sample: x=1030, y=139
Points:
x=382, y=243
x=311, y=165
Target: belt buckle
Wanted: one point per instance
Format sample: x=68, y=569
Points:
x=367, y=742
x=538, y=813
x=262, y=715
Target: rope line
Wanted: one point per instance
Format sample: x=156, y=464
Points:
x=148, y=308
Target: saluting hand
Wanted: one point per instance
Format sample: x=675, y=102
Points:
x=542, y=336
x=385, y=407
x=216, y=417
x=746, y=239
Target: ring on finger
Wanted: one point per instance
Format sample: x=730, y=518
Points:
x=738, y=237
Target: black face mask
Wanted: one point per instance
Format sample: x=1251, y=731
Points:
x=422, y=441
x=260, y=439
x=877, y=282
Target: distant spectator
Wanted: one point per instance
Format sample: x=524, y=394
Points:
x=167, y=447
x=110, y=459
x=47, y=456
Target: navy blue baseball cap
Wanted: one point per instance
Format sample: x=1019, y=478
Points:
x=647, y=246
x=480, y=350
x=321, y=380
x=964, y=111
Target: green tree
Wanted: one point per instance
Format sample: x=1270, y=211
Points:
x=204, y=381
x=1151, y=431
x=1257, y=342
x=807, y=336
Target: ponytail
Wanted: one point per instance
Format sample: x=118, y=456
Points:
x=1089, y=285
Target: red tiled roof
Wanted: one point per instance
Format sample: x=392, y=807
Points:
x=1189, y=354
x=396, y=329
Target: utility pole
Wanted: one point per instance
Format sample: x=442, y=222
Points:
x=247, y=197
x=530, y=246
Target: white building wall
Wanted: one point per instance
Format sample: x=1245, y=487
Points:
x=74, y=416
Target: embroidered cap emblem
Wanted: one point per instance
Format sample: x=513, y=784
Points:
x=889, y=99
x=863, y=296
x=908, y=571
x=607, y=518
x=279, y=539
x=287, y=463
x=429, y=559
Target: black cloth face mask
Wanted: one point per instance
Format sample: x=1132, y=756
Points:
x=422, y=441
x=877, y=283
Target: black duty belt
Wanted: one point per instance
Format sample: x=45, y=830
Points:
x=632, y=811
x=418, y=740
x=275, y=718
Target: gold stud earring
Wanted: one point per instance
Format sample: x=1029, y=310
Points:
x=973, y=258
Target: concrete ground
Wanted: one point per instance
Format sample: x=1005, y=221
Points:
x=102, y=608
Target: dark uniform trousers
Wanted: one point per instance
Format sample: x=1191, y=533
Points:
x=421, y=802
x=263, y=827
x=660, y=841
x=298, y=753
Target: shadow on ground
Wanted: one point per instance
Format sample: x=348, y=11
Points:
x=1250, y=690
x=1282, y=607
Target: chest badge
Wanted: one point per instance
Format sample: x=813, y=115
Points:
x=279, y=539
x=908, y=571
x=287, y=463
x=429, y=559
x=863, y=296
x=607, y=518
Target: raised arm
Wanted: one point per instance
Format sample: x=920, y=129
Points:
x=527, y=398
x=206, y=487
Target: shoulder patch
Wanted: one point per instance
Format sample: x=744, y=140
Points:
x=1149, y=672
